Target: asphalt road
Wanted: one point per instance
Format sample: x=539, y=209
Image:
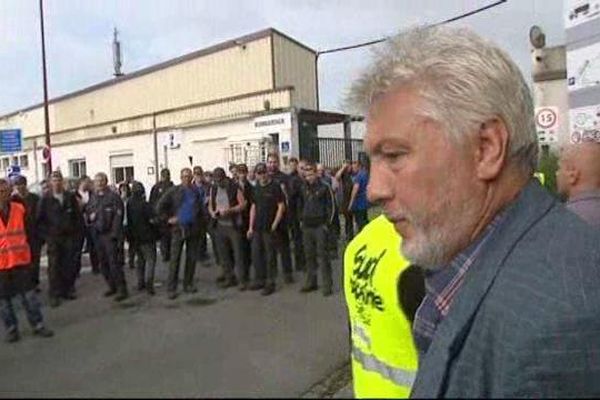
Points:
x=215, y=343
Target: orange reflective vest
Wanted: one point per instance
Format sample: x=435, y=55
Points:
x=14, y=249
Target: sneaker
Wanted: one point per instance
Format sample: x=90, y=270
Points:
x=268, y=290
x=54, y=302
x=172, y=296
x=12, y=336
x=151, y=291
x=308, y=288
x=243, y=287
x=288, y=279
x=110, y=292
x=141, y=287
x=327, y=292
x=43, y=332
x=256, y=286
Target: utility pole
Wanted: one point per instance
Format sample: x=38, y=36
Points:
x=46, y=115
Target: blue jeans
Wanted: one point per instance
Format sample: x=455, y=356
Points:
x=32, y=307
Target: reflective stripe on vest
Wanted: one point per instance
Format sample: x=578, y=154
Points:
x=14, y=249
x=369, y=362
x=384, y=357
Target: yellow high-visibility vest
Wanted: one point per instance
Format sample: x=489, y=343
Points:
x=384, y=357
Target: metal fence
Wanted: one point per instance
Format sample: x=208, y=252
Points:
x=332, y=152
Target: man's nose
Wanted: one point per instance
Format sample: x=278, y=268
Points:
x=380, y=187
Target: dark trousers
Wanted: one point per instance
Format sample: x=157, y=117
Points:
x=131, y=254
x=90, y=244
x=264, y=258
x=348, y=225
x=146, y=263
x=36, y=253
x=282, y=248
x=165, y=245
x=315, y=245
x=212, y=233
x=110, y=265
x=296, y=233
x=77, y=252
x=334, y=235
x=61, y=269
x=179, y=237
x=229, y=246
x=361, y=218
x=203, y=242
x=32, y=306
x=246, y=244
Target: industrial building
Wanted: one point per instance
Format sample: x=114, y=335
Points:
x=232, y=102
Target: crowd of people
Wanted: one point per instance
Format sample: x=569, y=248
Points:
x=255, y=218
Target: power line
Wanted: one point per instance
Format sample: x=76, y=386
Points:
x=372, y=42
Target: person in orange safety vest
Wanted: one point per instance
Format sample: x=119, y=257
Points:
x=15, y=269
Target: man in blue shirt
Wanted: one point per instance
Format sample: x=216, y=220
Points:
x=181, y=207
x=359, y=205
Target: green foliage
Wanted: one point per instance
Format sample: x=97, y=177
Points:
x=548, y=165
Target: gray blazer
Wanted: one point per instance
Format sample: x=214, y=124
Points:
x=526, y=322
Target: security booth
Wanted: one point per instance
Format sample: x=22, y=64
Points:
x=326, y=137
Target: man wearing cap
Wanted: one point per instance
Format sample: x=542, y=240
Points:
x=31, y=202
x=266, y=215
x=225, y=206
x=59, y=224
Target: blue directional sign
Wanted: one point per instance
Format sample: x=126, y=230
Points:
x=10, y=141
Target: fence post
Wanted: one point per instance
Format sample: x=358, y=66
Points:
x=347, y=139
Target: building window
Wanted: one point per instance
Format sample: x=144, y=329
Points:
x=15, y=160
x=121, y=174
x=77, y=168
x=24, y=161
x=121, y=167
x=5, y=163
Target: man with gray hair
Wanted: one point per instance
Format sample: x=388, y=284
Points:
x=512, y=300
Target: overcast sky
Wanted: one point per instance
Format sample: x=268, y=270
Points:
x=79, y=35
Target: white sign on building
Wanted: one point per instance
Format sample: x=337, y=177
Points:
x=274, y=123
x=171, y=139
x=580, y=11
x=585, y=124
x=583, y=66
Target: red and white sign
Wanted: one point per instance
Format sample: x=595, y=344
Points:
x=546, y=117
x=546, y=122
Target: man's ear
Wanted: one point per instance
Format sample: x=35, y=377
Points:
x=491, y=149
x=572, y=174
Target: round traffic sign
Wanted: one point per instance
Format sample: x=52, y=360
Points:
x=546, y=118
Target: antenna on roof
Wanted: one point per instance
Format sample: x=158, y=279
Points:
x=116, y=47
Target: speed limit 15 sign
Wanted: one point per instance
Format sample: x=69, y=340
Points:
x=546, y=118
